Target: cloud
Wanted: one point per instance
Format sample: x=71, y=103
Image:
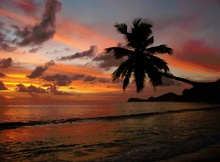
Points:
x=59, y=51
x=64, y=80
x=40, y=32
x=78, y=76
x=103, y=80
x=54, y=90
x=200, y=53
x=5, y=44
x=60, y=80
x=38, y=71
x=2, y=75
x=106, y=61
x=34, y=95
x=27, y=6
x=89, y=53
x=2, y=86
x=33, y=50
x=46, y=85
x=31, y=88
x=89, y=78
x=5, y=63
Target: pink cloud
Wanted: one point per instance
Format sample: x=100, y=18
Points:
x=199, y=53
x=27, y=6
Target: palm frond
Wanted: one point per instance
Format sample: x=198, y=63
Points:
x=122, y=69
x=159, y=63
x=121, y=28
x=136, y=22
x=160, y=49
x=149, y=41
x=119, y=52
x=126, y=80
x=139, y=76
x=155, y=77
x=140, y=32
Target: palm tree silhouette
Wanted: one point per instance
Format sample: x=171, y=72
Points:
x=140, y=59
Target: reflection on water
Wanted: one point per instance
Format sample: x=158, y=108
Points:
x=50, y=111
x=116, y=139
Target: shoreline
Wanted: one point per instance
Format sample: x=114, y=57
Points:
x=210, y=153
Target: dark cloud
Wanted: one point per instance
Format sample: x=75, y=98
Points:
x=2, y=75
x=5, y=63
x=35, y=96
x=33, y=50
x=106, y=61
x=64, y=80
x=59, y=79
x=38, y=71
x=40, y=32
x=89, y=78
x=5, y=44
x=31, y=89
x=89, y=53
x=2, y=86
x=46, y=85
x=59, y=51
x=54, y=90
x=78, y=76
x=103, y=80
x=55, y=52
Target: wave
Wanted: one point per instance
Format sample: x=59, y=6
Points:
x=14, y=125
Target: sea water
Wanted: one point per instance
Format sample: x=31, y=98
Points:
x=147, y=131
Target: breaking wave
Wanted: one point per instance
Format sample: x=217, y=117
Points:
x=14, y=125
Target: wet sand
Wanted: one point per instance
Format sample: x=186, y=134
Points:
x=209, y=154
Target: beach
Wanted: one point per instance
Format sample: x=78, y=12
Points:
x=209, y=154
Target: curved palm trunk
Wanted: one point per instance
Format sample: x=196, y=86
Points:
x=183, y=80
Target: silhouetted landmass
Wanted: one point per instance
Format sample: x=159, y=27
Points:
x=166, y=97
x=209, y=93
x=136, y=100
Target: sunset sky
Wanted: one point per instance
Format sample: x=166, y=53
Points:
x=54, y=50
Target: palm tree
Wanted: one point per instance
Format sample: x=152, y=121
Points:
x=140, y=58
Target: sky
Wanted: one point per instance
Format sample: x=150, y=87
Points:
x=53, y=50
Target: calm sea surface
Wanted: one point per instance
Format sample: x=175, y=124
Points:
x=105, y=132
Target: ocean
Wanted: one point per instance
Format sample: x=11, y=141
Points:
x=144, y=131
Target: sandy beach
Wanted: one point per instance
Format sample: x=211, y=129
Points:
x=209, y=154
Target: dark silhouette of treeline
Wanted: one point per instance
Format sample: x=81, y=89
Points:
x=209, y=93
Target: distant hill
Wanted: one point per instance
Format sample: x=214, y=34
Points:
x=136, y=100
x=166, y=97
x=209, y=93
